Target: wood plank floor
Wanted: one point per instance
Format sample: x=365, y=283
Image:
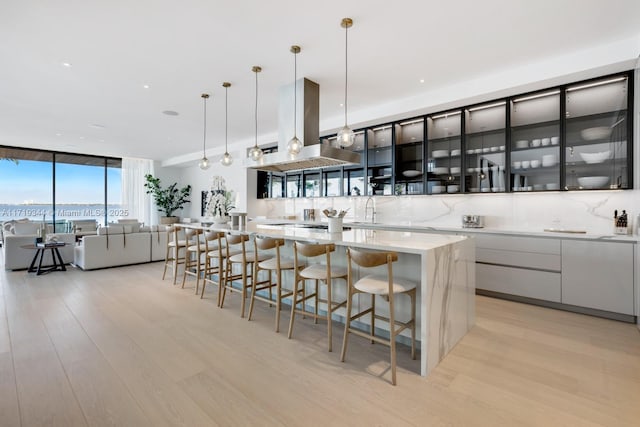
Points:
x=122, y=347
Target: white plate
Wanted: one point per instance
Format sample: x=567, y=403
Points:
x=436, y=154
x=455, y=152
x=411, y=173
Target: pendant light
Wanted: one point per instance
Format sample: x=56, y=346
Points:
x=204, y=163
x=226, y=160
x=256, y=153
x=295, y=145
x=346, y=137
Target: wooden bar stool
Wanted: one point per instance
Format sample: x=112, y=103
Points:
x=386, y=287
x=236, y=254
x=195, y=257
x=275, y=264
x=319, y=273
x=215, y=255
x=175, y=252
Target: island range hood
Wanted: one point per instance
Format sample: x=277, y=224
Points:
x=314, y=154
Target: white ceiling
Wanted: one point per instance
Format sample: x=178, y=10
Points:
x=183, y=48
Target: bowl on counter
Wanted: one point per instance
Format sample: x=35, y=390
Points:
x=593, y=158
x=591, y=182
x=436, y=154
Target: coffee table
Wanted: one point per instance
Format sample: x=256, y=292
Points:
x=58, y=264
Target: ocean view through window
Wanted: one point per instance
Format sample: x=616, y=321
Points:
x=59, y=187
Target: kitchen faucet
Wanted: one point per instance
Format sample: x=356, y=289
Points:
x=373, y=209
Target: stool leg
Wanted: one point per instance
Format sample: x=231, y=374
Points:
x=253, y=290
x=347, y=325
x=329, y=315
x=294, y=300
x=373, y=317
x=315, y=321
x=166, y=260
x=278, y=298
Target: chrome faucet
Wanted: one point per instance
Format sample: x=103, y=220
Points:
x=373, y=209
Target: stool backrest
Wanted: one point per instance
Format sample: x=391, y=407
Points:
x=371, y=259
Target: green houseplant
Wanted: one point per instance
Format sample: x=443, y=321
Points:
x=169, y=199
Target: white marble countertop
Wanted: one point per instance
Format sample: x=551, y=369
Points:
x=422, y=227
x=382, y=239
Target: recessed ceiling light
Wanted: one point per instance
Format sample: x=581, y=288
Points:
x=67, y=64
x=97, y=126
x=146, y=86
x=342, y=105
x=170, y=113
x=421, y=80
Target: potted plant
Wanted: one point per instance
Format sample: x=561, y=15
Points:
x=219, y=201
x=169, y=199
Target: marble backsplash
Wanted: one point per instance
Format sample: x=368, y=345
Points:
x=591, y=211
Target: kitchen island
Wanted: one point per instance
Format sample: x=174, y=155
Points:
x=442, y=265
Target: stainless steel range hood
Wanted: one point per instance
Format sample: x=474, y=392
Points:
x=314, y=154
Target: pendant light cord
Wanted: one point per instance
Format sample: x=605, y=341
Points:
x=226, y=121
x=295, y=94
x=256, y=112
x=346, y=67
x=204, y=139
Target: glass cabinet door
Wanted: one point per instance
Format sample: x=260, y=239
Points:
x=311, y=181
x=294, y=184
x=485, y=144
x=379, y=158
x=444, y=160
x=277, y=185
x=331, y=183
x=408, y=161
x=353, y=175
x=597, y=122
x=535, y=141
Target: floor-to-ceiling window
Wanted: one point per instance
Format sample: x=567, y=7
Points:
x=59, y=187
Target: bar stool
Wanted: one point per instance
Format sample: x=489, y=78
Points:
x=195, y=257
x=276, y=264
x=173, y=256
x=236, y=254
x=215, y=255
x=324, y=273
x=386, y=287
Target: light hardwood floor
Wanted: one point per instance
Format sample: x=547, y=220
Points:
x=122, y=347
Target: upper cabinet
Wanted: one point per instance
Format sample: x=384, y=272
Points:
x=570, y=137
x=444, y=153
x=535, y=141
x=485, y=146
x=409, y=160
x=597, y=154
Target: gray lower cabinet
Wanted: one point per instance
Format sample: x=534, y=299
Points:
x=542, y=285
x=598, y=275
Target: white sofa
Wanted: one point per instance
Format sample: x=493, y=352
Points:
x=117, y=245
x=18, y=258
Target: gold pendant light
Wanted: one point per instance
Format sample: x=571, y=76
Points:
x=226, y=160
x=346, y=137
x=295, y=145
x=204, y=163
x=255, y=153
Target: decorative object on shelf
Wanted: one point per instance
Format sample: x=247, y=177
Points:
x=226, y=159
x=256, y=153
x=167, y=200
x=599, y=132
x=411, y=173
x=204, y=163
x=219, y=201
x=593, y=182
x=346, y=137
x=295, y=145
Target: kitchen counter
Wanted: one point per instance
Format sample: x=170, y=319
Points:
x=426, y=228
x=443, y=265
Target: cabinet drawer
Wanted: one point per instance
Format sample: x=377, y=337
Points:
x=517, y=281
x=519, y=244
x=519, y=259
